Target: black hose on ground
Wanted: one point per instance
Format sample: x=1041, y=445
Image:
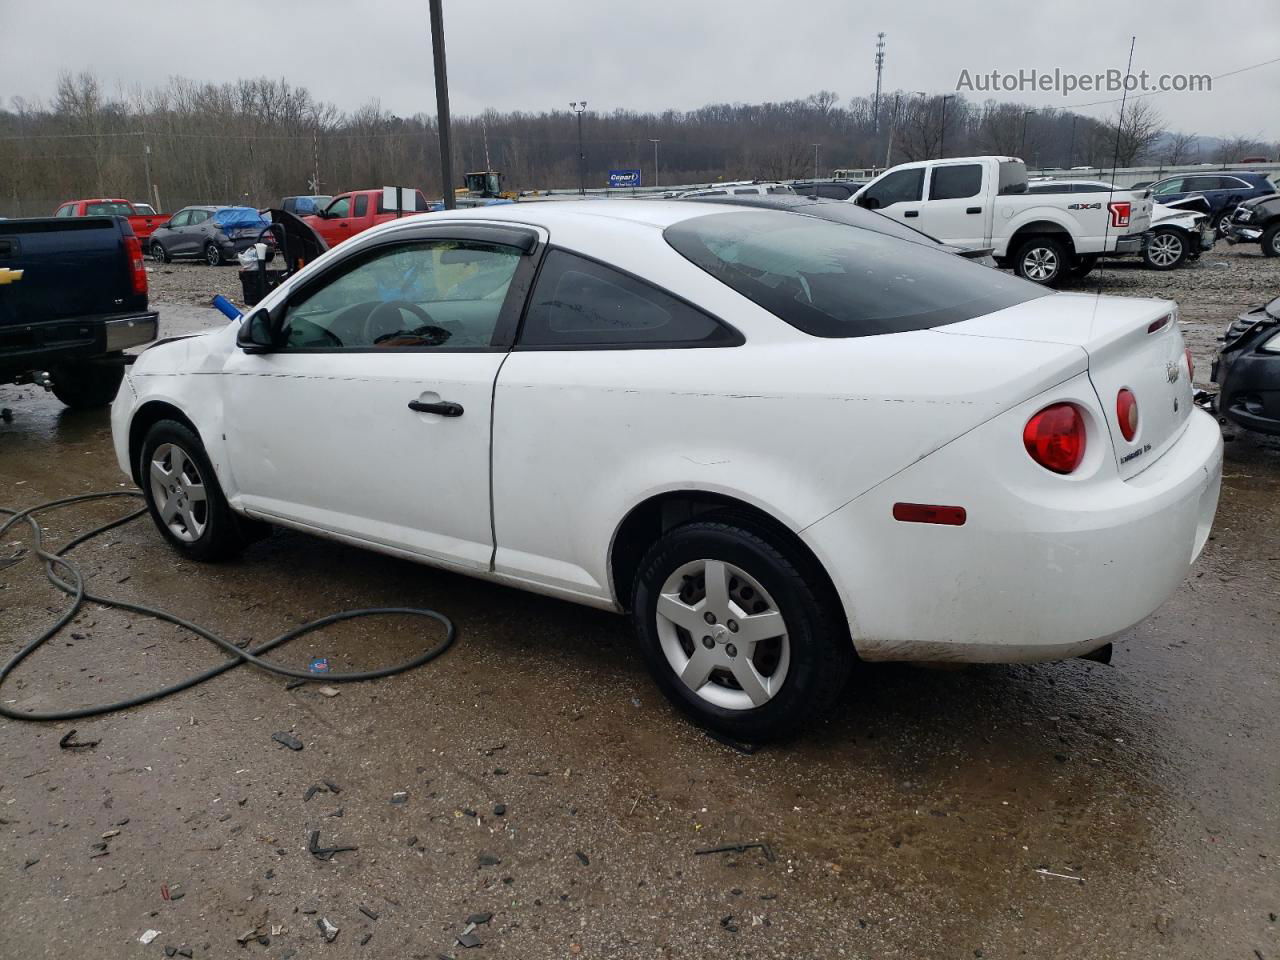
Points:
x=75, y=588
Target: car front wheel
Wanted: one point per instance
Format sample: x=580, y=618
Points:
x=1271, y=241
x=183, y=495
x=738, y=629
x=1164, y=250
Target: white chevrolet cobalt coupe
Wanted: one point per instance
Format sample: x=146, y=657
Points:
x=781, y=443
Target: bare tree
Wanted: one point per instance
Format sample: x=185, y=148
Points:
x=1136, y=128
x=1182, y=148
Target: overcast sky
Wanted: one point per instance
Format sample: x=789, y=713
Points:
x=539, y=55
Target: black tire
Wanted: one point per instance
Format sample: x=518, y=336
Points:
x=224, y=533
x=821, y=653
x=158, y=252
x=1170, y=240
x=1222, y=222
x=84, y=385
x=1271, y=241
x=213, y=254
x=1083, y=265
x=1043, y=260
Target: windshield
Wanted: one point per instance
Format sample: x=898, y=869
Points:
x=832, y=280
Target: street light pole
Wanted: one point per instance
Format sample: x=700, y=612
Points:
x=655, y=143
x=815, y=160
x=580, y=107
x=1023, y=149
x=442, y=105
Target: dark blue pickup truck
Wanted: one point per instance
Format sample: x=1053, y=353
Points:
x=73, y=297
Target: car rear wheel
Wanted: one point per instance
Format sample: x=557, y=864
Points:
x=183, y=495
x=1271, y=241
x=738, y=631
x=158, y=253
x=84, y=385
x=1165, y=249
x=1222, y=223
x=213, y=254
x=1042, y=260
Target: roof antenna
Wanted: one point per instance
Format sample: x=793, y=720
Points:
x=1115, y=163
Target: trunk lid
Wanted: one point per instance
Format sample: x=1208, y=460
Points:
x=1132, y=344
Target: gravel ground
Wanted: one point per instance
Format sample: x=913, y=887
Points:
x=914, y=825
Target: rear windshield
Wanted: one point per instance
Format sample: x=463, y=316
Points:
x=108, y=208
x=832, y=280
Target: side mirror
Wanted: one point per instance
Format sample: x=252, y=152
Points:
x=870, y=203
x=256, y=333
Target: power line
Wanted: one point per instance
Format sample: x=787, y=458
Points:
x=1152, y=93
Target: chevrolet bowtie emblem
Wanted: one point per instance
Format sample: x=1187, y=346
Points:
x=9, y=276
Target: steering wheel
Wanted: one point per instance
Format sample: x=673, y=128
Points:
x=390, y=311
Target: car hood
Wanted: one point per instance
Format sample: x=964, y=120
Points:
x=196, y=353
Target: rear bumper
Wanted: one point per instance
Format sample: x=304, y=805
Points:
x=39, y=346
x=1037, y=572
x=1249, y=394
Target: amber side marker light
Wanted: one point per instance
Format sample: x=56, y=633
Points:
x=929, y=513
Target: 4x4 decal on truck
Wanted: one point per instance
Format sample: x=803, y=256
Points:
x=1084, y=206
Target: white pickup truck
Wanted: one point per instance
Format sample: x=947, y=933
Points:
x=983, y=202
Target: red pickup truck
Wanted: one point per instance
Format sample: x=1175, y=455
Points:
x=350, y=213
x=142, y=224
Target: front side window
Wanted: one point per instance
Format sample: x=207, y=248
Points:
x=903, y=186
x=442, y=294
x=181, y=218
x=580, y=303
x=66, y=210
x=339, y=208
x=832, y=280
x=955, y=182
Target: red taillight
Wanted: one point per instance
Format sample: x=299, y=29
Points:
x=1127, y=414
x=1191, y=368
x=1120, y=210
x=137, y=268
x=1055, y=438
x=929, y=513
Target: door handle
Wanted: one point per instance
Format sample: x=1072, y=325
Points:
x=446, y=408
x=911, y=213
x=974, y=210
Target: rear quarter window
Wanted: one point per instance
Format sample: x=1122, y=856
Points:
x=832, y=280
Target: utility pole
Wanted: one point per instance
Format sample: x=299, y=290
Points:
x=146, y=164
x=815, y=160
x=875, y=117
x=315, y=160
x=655, y=143
x=580, y=107
x=942, y=135
x=1071, y=150
x=442, y=105
x=893, y=126
x=1023, y=149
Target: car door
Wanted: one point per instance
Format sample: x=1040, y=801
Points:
x=339, y=222
x=955, y=208
x=897, y=195
x=371, y=418
x=170, y=235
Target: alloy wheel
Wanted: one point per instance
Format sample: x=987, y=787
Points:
x=1165, y=249
x=723, y=635
x=1040, y=264
x=212, y=255
x=179, y=493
